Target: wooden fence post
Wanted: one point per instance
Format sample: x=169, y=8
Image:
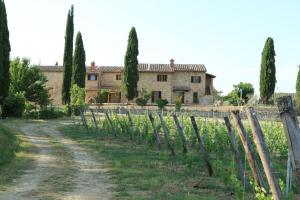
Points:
x=236, y=152
x=132, y=127
x=258, y=178
x=155, y=131
x=94, y=119
x=201, y=145
x=83, y=119
x=292, y=132
x=110, y=123
x=263, y=153
x=166, y=133
x=180, y=131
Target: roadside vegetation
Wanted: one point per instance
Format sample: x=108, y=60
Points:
x=16, y=155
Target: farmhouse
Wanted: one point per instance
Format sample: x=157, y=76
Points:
x=191, y=82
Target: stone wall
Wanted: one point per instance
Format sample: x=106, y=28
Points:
x=54, y=84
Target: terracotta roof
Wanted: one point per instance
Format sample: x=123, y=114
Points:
x=143, y=67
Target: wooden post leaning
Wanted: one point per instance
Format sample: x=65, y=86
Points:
x=202, y=147
x=111, y=124
x=292, y=132
x=236, y=152
x=83, y=119
x=166, y=134
x=132, y=126
x=94, y=119
x=180, y=131
x=257, y=174
x=263, y=153
x=155, y=131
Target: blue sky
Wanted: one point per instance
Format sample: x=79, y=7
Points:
x=227, y=36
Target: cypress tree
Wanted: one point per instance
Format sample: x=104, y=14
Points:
x=79, y=63
x=68, y=57
x=298, y=89
x=130, y=74
x=267, y=71
x=4, y=53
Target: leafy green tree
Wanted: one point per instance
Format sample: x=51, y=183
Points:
x=4, y=53
x=77, y=99
x=68, y=58
x=101, y=97
x=298, y=89
x=143, y=98
x=234, y=97
x=29, y=80
x=14, y=105
x=79, y=63
x=131, y=75
x=267, y=71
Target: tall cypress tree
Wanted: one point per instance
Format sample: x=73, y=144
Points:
x=130, y=74
x=68, y=57
x=298, y=89
x=79, y=62
x=267, y=71
x=4, y=53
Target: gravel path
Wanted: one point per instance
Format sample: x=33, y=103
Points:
x=62, y=170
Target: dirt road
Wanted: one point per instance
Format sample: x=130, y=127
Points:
x=62, y=169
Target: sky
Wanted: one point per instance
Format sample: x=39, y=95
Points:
x=227, y=36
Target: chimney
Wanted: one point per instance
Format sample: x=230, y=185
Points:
x=172, y=62
x=93, y=66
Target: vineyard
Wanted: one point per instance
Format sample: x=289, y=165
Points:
x=221, y=152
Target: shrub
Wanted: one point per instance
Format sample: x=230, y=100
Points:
x=143, y=99
x=101, y=97
x=161, y=103
x=51, y=114
x=178, y=103
x=8, y=145
x=14, y=105
x=77, y=99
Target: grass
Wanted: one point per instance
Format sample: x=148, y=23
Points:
x=16, y=155
x=142, y=172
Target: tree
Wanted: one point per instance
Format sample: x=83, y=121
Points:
x=267, y=71
x=79, y=63
x=4, y=53
x=298, y=89
x=131, y=75
x=29, y=80
x=77, y=99
x=244, y=89
x=68, y=57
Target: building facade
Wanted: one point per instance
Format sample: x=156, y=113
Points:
x=190, y=82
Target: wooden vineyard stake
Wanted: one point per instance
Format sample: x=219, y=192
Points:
x=94, y=119
x=166, y=133
x=236, y=152
x=180, y=131
x=258, y=178
x=83, y=119
x=155, y=131
x=202, y=147
x=263, y=153
x=111, y=124
x=292, y=132
x=132, y=127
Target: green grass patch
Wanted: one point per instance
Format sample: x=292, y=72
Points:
x=140, y=171
x=16, y=155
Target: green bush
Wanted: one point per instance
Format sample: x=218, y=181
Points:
x=14, y=105
x=101, y=97
x=51, y=114
x=178, y=103
x=143, y=99
x=77, y=99
x=161, y=103
x=8, y=145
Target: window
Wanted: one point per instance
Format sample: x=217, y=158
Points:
x=155, y=95
x=118, y=77
x=162, y=78
x=207, y=90
x=92, y=77
x=196, y=79
x=195, y=97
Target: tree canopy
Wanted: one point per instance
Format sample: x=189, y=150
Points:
x=244, y=89
x=79, y=70
x=267, y=71
x=68, y=58
x=130, y=74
